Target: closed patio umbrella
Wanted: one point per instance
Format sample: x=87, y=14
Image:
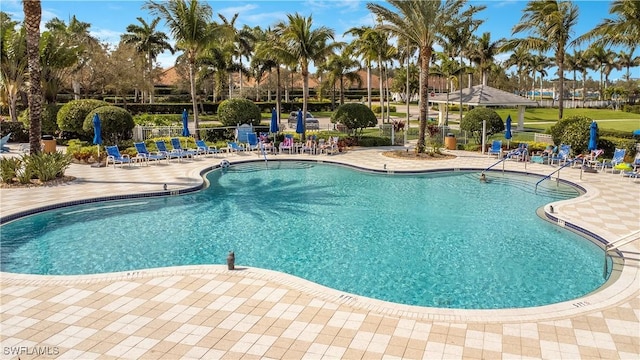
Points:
x=185, y=123
x=97, y=133
x=300, y=123
x=593, y=136
x=507, y=133
x=273, y=128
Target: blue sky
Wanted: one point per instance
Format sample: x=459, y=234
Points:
x=109, y=18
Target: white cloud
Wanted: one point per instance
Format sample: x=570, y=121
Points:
x=106, y=35
x=230, y=11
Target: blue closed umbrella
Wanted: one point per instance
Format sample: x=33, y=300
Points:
x=274, y=121
x=507, y=133
x=185, y=123
x=97, y=133
x=593, y=136
x=300, y=123
x=636, y=132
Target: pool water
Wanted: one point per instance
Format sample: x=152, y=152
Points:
x=441, y=240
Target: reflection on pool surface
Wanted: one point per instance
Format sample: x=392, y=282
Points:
x=442, y=240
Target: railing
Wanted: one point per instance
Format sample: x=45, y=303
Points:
x=569, y=162
x=499, y=161
x=543, y=138
x=634, y=236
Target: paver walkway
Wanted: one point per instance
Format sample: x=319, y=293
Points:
x=209, y=312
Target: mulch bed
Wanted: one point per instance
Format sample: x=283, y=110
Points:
x=412, y=155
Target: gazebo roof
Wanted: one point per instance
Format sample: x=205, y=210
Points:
x=483, y=95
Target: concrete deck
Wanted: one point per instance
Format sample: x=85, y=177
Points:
x=209, y=312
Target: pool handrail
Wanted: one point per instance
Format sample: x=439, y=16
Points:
x=569, y=162
x=499, y=161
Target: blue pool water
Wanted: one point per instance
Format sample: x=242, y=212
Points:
x=442, y=240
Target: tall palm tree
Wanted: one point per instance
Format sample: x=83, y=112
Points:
x=550, y=23
x=306, y=45
x=600, y=58
x=539, y=64
x=366, y=46
x=574, y=64
x=623, y=29
x=627, y=60
x=13, y=65
x=483, y=53
x=519, y=58
x=420, y=22
x=340, y=67
x=150, y=43
x=449, y=69
x=241, y=39
x=188, y=21
x=32, y=16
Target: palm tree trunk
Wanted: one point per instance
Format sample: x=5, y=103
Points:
x=561, y=90
x=425, y=56
x=305, y=94
x=192, y=81
x=33, y=14
x=381, y=91
x=369, y=84
x=278, y=100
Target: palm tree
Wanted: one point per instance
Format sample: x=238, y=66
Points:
x=483, y=53
x=150, y=43
x=366, y=46
x=519, y=58
x=449, y=69
x=419, y=22
x=305, y=45
x=32, y=15
x=539, y=64
x=242, y=40
x=600, y=58
x=574, y=64
x=13, y=65
x=551, y=23
x=189, y=25
x=627, y=60
x=340, y=67
x=623, y=29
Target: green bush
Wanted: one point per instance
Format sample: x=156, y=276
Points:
x=354, y=116
x=117, y=123
x=631, y=108
x=48, y=119
x=9, y=168
x=574, y=131
x=71, y=115
x=238, y=111
x=47, y=167
x=377, y=109
x=373, y=141
x=18, y=132
x=472, y=122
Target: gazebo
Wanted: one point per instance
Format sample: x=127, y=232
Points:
x=483, y=95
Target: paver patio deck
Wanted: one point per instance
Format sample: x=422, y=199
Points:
x=209, y=312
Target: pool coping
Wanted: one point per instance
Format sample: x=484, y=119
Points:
x=615, y=290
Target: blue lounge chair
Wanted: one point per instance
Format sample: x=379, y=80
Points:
x=169, y=154
x=234, y=147
x=496, y=148
x=114, y=156
x=203, y=148
x=146, y=155
x=3, y=142
x=177, y=147
x=618, y=158
x=562, y=156
x=252, y=142
x=519, y=154
x=635, y=165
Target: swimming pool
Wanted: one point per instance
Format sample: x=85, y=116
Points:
x=443, y=240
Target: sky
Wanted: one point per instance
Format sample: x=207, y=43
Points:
x=109, y=18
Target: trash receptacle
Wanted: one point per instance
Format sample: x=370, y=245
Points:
x=48, y=144
x=450, y=142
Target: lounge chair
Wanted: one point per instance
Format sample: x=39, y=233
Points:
x=496, y=148
x=177, y=147
x=203, y=148
x=252, y=142
x=3, y=142
x=545, y=156
x=146, y=156
x=562, y=156
x=287, y=144
x=309, y=146
x=618, y=158
x=234, y=147
x=114, y=156
x=519, y=154
x=590, y=160
x=634, y=168
x=169, y=154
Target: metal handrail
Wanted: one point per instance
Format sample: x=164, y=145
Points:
x=499, y=161
x=623, y=240
x=567, y=163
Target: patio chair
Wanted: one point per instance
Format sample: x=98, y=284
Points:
x=562, y=156
x=114, y=156
x=252, y=142
x=617, y=159
x=496, y=148
x=309, y=146
x=287, y=144
x=590, y=160
x=544, y=157
x=203, y=148
x=169, y=154
x=177, y=147
x=633, y=168
x=3, y=142
x=519, y=154
x=145, y=155
x=234, y=147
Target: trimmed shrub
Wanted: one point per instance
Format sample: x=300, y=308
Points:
x=373, y=141
x=377, y=109
x=472, y=122
x=117, y=123
x=557, y=131
x=48, y=119
x=354, y=116
x=238, y=111
x=71, y=115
